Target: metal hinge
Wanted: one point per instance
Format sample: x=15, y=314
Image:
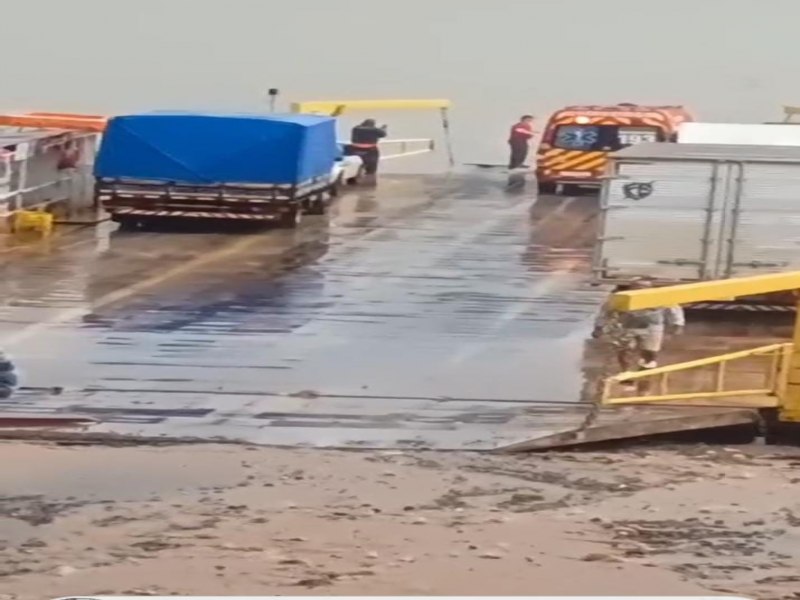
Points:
x=756, y=264
x=679, y=262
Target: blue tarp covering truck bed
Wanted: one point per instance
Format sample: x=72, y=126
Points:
x=165, y=167
x=209, y=148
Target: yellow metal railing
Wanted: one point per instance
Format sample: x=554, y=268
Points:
x=783, y=390
x=659, y=383
x=336, y=107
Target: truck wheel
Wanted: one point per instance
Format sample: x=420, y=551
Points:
x=335, y=189
x=356, y=179
x=292, y=218
x=126, y=223
x=316, y=205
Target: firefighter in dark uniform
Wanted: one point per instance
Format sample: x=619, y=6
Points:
x=364, y=143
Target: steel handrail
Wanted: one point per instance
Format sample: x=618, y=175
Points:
x=775, y=374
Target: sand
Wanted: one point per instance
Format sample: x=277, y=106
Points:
x=214, y=519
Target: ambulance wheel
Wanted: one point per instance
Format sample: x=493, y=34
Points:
x=570, y=190
x=292, y=218
x=547, y=187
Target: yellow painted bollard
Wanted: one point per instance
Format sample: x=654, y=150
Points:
x=33, y=220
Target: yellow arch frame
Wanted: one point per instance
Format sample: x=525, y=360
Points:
x=335, y=108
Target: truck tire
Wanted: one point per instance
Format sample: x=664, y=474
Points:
x=336, y=188
x=291, y=219
x=126, y=223
x=316, y=205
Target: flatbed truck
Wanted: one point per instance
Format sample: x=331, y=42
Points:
x=175, y=166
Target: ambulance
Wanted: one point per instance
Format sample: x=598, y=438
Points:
x=577, y=139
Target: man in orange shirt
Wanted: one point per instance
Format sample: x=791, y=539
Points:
x=519, y=140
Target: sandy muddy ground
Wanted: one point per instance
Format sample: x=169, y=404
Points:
x=244, y=520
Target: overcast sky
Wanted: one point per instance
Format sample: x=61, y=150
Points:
x=727, y=59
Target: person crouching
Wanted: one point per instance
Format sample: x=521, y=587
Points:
x=638, y=335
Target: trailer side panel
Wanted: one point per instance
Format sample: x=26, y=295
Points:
x=765, y=222
x=660, y=218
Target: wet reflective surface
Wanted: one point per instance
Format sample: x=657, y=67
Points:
x=435, y=312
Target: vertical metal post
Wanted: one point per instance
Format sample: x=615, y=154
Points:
x=790, y=402
x=723, y=223
x=23, y=160
x=705, y=243
x=92, y=143
x=447, y=141
x=736, y=215
x=773, y=371
x=273, y=96
x=612, y=170
x=663, y=384
x=720, y=378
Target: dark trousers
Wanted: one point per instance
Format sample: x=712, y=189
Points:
x=519, y=152
x=370, y=156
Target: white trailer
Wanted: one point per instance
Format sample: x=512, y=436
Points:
x=690, y=212
x=752, y=134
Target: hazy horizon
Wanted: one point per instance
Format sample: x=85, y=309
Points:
x=727, y=61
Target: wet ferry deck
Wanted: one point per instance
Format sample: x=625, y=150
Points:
x=437, y=312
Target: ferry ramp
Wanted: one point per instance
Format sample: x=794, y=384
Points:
x=432, y=312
